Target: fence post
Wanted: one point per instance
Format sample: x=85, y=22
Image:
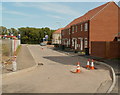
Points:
x=14, y=59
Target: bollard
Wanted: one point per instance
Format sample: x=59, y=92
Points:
x=14, y=64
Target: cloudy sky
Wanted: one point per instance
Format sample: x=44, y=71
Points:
x=43, y=14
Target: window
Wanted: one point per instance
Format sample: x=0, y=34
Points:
x=86, y=43
x=118, y=39
x=86, y=27
x=81, y=27
x=69, y=31
x=76, y=28
x=72, y=29
x=62, y=33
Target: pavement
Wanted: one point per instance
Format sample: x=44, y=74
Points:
x=114, y=63
x=24, y=60
x=54, y=75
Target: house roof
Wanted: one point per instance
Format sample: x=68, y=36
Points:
x=88, y=16
x=58, y=31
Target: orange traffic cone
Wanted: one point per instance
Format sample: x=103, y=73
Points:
x=88, y=64
x=92, y=65
x=78, y=68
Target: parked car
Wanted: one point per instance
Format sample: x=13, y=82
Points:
x=43, y=44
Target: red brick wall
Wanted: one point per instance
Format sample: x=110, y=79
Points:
x=98, y=49
x=114, y=50
x=105, y=49
x=80, y=33
x=104, y=26
x=77, y=34
x=83, y=34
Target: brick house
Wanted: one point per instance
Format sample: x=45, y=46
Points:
x=98, y=24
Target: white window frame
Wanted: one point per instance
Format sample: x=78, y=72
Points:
x=118, y=39
x=86, y=27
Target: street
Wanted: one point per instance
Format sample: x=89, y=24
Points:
x=54, y=75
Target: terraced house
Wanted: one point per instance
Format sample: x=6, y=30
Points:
x=98, y=24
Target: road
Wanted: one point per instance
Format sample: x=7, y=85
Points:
x=54, y=75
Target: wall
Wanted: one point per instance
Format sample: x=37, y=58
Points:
x=105, y=49
x=56, y=38
x=8, y=48
x=104, y=26
x=15, y=43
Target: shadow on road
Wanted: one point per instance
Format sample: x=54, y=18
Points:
x=68, y=60
x=115, y=63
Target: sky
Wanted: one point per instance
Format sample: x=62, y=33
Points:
x=43, y=14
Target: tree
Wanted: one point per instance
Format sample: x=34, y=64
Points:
x=34, y=35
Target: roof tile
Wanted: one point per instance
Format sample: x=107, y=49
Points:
x=86, y=16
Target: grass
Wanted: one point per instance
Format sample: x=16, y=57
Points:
x=5, y=52
x=18, y=49
x=6, y=58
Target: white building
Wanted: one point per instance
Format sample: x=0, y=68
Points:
x=56, y=37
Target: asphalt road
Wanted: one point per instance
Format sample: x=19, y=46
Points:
x=54, y=75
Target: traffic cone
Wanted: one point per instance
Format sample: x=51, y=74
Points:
x=78, y=68
x=88, y=64
x=92, y=65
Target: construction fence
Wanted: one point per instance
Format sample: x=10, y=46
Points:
x=104, y=49
x=8, y=48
